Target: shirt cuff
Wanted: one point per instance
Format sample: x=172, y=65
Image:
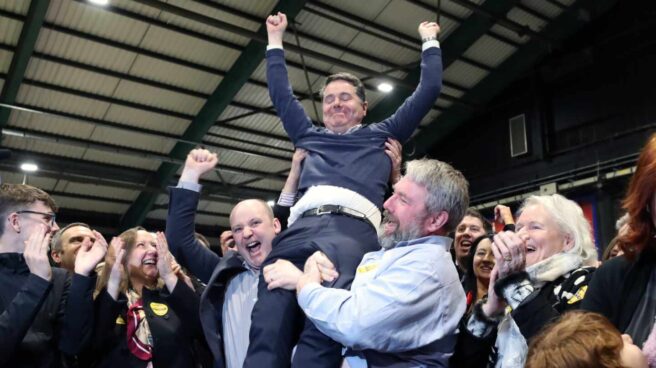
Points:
x=273, y=47
x=287, y=199
x=428, y=44
x=189, y=186
x=514, y=288
x=480, y=325
x=304, y=297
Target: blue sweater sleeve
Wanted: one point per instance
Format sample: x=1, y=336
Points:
x=409, y=115
x=291, y=112
x=180, y=225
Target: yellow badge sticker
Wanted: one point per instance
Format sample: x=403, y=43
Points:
x=367, y=267
x=578, y=296
x=120, y=320
x=159, y=308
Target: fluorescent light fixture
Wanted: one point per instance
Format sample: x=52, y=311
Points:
x=99, y=2
x=385, y=87
x=29, y=167
x=271, y=203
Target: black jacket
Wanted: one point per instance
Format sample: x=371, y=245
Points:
x=207, y=266
x=617, y=287
x=43, y=324
x=173, y=321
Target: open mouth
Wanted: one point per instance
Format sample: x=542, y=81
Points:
x=390, y=227
x=465, y=244
x=253, y=247
x=149, y=261
x=486, y=267
x=530, y=249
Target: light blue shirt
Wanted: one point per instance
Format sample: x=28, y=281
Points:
x=401, y=299
x=240, y=299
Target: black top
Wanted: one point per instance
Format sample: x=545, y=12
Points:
x=43, y=324
x=173, y=321
x=618, y=286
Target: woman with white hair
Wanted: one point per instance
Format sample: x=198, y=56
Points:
x=542, y=270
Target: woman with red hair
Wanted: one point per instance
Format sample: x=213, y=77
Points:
x=624, y=288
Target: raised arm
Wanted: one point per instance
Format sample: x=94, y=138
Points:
x=408, y=117
x=180, y=221
x=289, y=109
x=77, y=326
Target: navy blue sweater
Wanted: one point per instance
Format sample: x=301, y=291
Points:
x=356, y=161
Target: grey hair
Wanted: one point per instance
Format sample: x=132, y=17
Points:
x=622, y=221
x=569, y=217
x=447, y=188
x=55, y=243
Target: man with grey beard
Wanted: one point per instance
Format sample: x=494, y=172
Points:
x=406, y=299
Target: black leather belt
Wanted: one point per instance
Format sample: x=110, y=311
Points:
x=331, y=209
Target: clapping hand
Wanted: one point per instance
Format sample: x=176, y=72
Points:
x=36, y=253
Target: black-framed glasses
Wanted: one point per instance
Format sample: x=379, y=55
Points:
x=48, y=216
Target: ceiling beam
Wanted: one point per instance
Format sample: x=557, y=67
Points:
x=566, y=24
x=170, y=59
x=262, y=38
x=453, y=47
x=96, y=173
x=112, y=148
x=238, y=75
x=26, y=42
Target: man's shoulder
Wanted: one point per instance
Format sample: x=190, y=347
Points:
x=60, y=275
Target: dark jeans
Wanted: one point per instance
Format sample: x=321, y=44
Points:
x=277, y=320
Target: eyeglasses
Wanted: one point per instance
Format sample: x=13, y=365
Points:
x=48, y=216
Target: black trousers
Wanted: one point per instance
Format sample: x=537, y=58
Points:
x=277, y=322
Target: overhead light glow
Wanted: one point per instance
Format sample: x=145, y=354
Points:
x=271, y=203
x=29, y=167
x=385, y=87
x=99, y=2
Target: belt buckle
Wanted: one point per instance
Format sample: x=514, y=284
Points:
x=322, y=211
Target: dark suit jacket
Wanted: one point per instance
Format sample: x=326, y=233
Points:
x=42, y=324
x=216, y=272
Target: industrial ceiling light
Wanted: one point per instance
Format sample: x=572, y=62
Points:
x=29, y=167
x=100, y=2
x=385, y=87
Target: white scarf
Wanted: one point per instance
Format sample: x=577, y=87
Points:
x=511, y=344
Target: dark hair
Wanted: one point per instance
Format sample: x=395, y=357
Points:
x=637, y=202
x=15, y=196
x=577, y=339
x=609, y=248
x=55, y=243
x=471, y=212
x=351, y=79
x=469, y=282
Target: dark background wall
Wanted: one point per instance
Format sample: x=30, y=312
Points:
x=589, y=107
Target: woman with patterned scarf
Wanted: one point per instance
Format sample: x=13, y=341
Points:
x=145, y=317
x=541, y=271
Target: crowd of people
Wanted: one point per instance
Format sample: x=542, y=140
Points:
x=340, y=272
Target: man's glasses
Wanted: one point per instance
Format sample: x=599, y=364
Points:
x=48, y=216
